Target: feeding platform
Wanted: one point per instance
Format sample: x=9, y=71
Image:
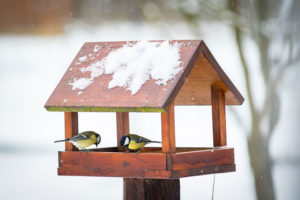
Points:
x=150, y=163
x=199, y=80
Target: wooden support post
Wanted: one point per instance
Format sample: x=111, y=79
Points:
x=122, y=126
x=71, y=129
x=168, y=131
x=148, y=189
x=218, y=115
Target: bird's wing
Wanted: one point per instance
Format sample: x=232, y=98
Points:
x=78, y=137
x=139, y=139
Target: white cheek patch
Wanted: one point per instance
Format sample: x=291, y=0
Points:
x=126, y=141
x=74, y=143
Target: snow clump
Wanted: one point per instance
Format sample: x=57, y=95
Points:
x=133, y=64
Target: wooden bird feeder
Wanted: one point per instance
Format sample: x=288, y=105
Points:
x=200, y=82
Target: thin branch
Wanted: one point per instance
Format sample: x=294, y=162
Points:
x=246, y=74
x=273, y=85
x=273, y=115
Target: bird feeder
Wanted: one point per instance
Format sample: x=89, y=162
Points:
x=200, y=82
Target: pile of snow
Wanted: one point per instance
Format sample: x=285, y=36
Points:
x=81, y=83
x=134, y=64
x=83, y=58
x=96, y=48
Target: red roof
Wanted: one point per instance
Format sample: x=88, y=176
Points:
x=191, y=86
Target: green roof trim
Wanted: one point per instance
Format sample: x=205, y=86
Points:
x=104, y=109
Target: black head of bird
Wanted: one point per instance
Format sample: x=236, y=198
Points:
x=98, y=139
x=124, y=141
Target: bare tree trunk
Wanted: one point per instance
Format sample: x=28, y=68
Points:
x=261, y=165
x=258, y=144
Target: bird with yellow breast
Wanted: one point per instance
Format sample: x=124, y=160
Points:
x=84, y=139
x=135, y=142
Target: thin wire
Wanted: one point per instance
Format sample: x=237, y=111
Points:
x=213, y=189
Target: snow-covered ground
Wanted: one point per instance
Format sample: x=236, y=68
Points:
x=31, y=66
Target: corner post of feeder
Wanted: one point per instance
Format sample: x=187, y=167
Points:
x=122, y=119
x=218, y=115
x=71, y=129
x=168, y=131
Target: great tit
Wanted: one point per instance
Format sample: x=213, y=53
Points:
x=84, y=139
x=134, y=142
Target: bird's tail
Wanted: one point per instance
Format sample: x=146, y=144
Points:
x=60, y=141
x=154, y=142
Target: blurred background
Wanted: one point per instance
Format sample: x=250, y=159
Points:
x=256, y=42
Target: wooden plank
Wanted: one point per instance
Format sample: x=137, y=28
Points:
x=86, y=171
x=203, y=171
x=108, y=160
x=178, y=149
x=168, y=131
x=151, y=174
x=154, y=174
x=71, y=129
x=122, y=126
x=218, y=115
x=154, y=149
x=149, y=189
x=128, y=174
x=200, y=159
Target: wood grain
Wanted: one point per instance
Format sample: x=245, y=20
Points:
x=71, y=129
x=151, y=174
x=83, y=171
x=153, y=149
x=229, y=85
x=200, y=159
x=218, y=116
x=108, y=160
x=122, y=126
x=203, y=171
x=196, y=87
x=150, y=189
x=168, y=131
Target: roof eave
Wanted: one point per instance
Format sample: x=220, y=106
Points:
x=104, y=109
x=240, y=99
x=202, y=48
x=176, y=88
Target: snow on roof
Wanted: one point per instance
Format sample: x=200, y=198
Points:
x=133, y=64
